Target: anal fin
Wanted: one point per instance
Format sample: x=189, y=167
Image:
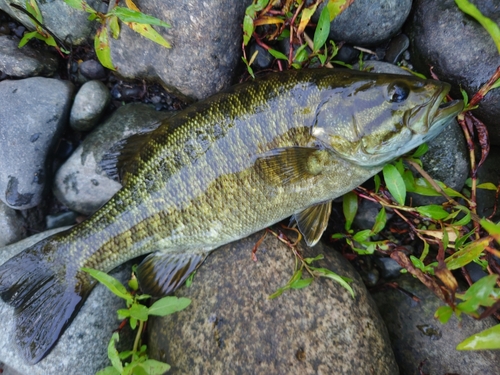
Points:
x=162, y=273
x=313, y=221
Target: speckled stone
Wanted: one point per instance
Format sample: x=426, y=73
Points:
x=231, y=327
x=90, y=102
x=417, y=336
x=82, y=349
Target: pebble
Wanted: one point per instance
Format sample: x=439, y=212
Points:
x=33, y=114
x=26, y=61
x=92, y=69
x=397, y=46
x=460, y=51
x=90, y=102
x=389, y=268
x=319, y=329
x=80, y=183
x=263, y=59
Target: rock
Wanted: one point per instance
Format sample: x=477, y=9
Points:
x=232, y=327
x=207, y=34
x=398, y=45
x=33, y=113
x=82, y=349
x=80, y=183
x=12, y=225
x=368, y=22
x=60, y=220
x=366, y=214
x=460, y=51
x=24, y=62
x=91, y=69
x=489, y=172
x=66, y=23
x=263, y=59
x=389, y=268
x=417, y=337
x=90, y=102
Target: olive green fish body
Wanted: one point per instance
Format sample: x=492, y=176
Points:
x=281, y=146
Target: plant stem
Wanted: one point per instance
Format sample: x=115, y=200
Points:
x=138, y=336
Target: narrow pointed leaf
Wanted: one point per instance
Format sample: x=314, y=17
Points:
x=322, y=29
x=130, y=15
x=487, y=339
x=101, y=46
x=81, y=5
x=168, y=305
x=350, y=207
x=153, y=367
x=147, y=31
x=466, y=255
x=110, y=282
x=433, y=211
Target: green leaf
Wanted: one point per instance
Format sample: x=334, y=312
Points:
x=26, y=38
x=479, y=294
x=110, y=370
x=380, y=221
x=101, y=46
x=32, y=8
x=421, y=150
x=350, y=207
x=425, y=251
x=153, y=367
x=460, y=241
x=362, y=235
x=322, y=29
x=466, y=255
x=310, y=260
x=301, y=283
x=409, y=180
x=277, y=54
x=306, y=15
x=168, y=305
x=248, y=28
x=139, y=312
x=487, y=186
x=133, y=323
x=111, y=283
x=487, y=23
x=133, y=283
x=123, y=314
x=147, y=31
x=465, y=96
x=113, y=355
x=395, y=183
x=493, y=229
x=376, y=180
x=433, y=211
x=323, y=272
x=336, y=7
x=444, y=313
x=487, y=339
x=130, y=15
x=301, y=53
x=114, y=27
x=81, y=5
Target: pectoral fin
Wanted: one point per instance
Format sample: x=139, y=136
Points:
x=312, y=221
x=290, y=164
x=160, y=274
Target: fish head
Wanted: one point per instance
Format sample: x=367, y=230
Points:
x=380, y=117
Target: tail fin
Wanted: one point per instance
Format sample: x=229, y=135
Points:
x=45, y=296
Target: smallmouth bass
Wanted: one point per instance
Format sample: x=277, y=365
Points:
x=284, y=145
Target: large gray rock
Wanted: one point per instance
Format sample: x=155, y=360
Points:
x=32, y=115
x=369, y=22
x=417, y=337
x=90, y=102
x=82, y=349
x=231, y=327
x=80, y=183
x=66, y=23
x=206, y=39
x=460, y=51
x=12, y=225
x=24, y=62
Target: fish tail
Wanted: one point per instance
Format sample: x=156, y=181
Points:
x=45, y=296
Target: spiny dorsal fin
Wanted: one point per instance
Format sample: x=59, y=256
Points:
x=313, y=221
x=160, y=274
x=290, y=164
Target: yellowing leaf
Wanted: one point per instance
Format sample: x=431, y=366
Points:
x=307, y=13
x=130, y=4
x=101, y=46
x=335, y=7
x=147, y=31
x=466, y=255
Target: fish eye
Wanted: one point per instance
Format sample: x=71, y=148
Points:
x=398, y=92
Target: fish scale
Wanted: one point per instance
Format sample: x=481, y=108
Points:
x=284, y=145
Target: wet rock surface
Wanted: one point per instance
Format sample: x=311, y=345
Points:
x=460, y=51
x=89, y=104
x=419, y=338
x=82, y=349
x=33, y=113
x=12, y=225
x=24, y=62
x=232, y=327
x=207, y=35
x=81, y=184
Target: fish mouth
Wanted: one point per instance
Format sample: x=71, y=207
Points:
x=441, y=112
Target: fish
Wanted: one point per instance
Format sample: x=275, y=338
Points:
x=281, y=146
